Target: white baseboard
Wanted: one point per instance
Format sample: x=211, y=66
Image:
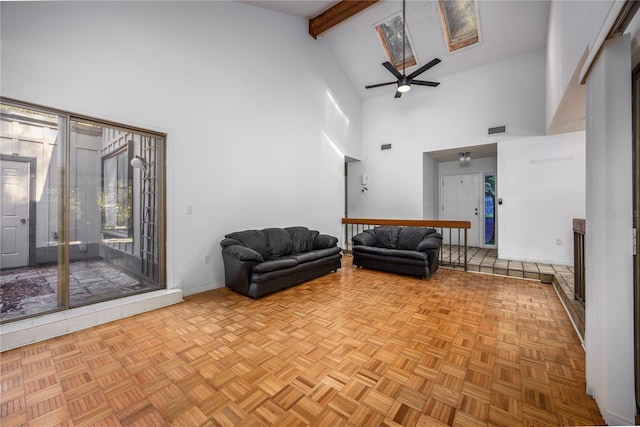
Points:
x=28, y=331
x=203, y=288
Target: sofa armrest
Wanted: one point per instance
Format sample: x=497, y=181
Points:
x=324, y=241
x=229, y=242
x=431, y=241
x=242, y=253
x=237, y=273
x=366, y=238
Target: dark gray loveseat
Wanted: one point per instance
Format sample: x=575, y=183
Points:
x=404, y=250
x=259, y=262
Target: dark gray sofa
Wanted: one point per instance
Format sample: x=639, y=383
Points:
x=259, y=262
x=405, y=250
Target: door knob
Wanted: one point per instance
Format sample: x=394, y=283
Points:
x=23, y=220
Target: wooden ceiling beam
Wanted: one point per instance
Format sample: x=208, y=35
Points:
x=336, y=14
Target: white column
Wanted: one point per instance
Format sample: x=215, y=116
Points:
x=609, y=257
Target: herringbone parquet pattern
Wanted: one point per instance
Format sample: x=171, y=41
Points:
x=353, y=348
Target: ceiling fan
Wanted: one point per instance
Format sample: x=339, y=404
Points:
x=403, y=81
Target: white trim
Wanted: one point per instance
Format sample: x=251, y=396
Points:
x=204, y=288
x=28, y=331
x=570, y=318
x=607, y=25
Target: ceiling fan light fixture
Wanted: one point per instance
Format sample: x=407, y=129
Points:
x=404, y=87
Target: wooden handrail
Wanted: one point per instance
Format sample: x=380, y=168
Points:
x=460, y=226
x=409, y=222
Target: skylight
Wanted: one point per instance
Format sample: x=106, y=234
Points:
x=390, y=32
x=460, y=23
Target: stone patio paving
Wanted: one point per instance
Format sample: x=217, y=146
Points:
x=33, y=290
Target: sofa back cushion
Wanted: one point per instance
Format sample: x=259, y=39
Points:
x=279, y=241
x=253, y=239
x=410, y=237
x=387, y=236
x=302, y=238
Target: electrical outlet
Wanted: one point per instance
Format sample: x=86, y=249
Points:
x=559, y=242
x=207, y=259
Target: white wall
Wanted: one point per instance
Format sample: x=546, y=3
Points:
x=455, y=114
x=609, y=257
x=248, y=100
x=484, y=164
x=573, y=26
x=542, y=184
x=430, y=187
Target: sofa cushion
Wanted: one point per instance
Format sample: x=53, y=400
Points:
x=302, y=239
x=369, y=250
x=366, y=238
x=303, y=257
x=385, y=252
x=253, y=239
x=327, y=252
x=387, y=236
x=279, y=241
x=404, y=253
x=324, y=241
x=275, y=264
x=410, y=237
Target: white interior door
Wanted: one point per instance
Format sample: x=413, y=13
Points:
x=461, y=201
x=14, y=208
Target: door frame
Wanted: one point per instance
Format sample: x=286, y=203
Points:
x=635, y=111
x=32, y=161
x=495, y=211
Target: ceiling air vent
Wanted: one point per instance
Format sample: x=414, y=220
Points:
x=385, y=147
x=497, y=129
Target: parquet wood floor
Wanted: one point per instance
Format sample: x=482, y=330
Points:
x=356, y=347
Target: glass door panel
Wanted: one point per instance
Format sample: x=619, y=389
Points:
x=489, y=210
x=113, y=214
x=32, y=162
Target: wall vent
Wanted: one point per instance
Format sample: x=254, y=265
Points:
x=385, y=147
x=497, y=129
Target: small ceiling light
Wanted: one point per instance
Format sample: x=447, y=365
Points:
x=403, y=85
x=467, y=156
x=461, y=157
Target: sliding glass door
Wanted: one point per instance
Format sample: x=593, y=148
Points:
x=32, y=164
x=82, y=206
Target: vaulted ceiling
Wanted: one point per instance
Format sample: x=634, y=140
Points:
x=507, y=28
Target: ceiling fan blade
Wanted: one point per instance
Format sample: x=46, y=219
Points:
x=398, y=94
x=380, y=84
x=424, y=68
x=424, y=83
x=392, y=69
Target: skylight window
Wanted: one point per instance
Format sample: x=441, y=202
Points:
x=390, y=32
x=460, y=23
